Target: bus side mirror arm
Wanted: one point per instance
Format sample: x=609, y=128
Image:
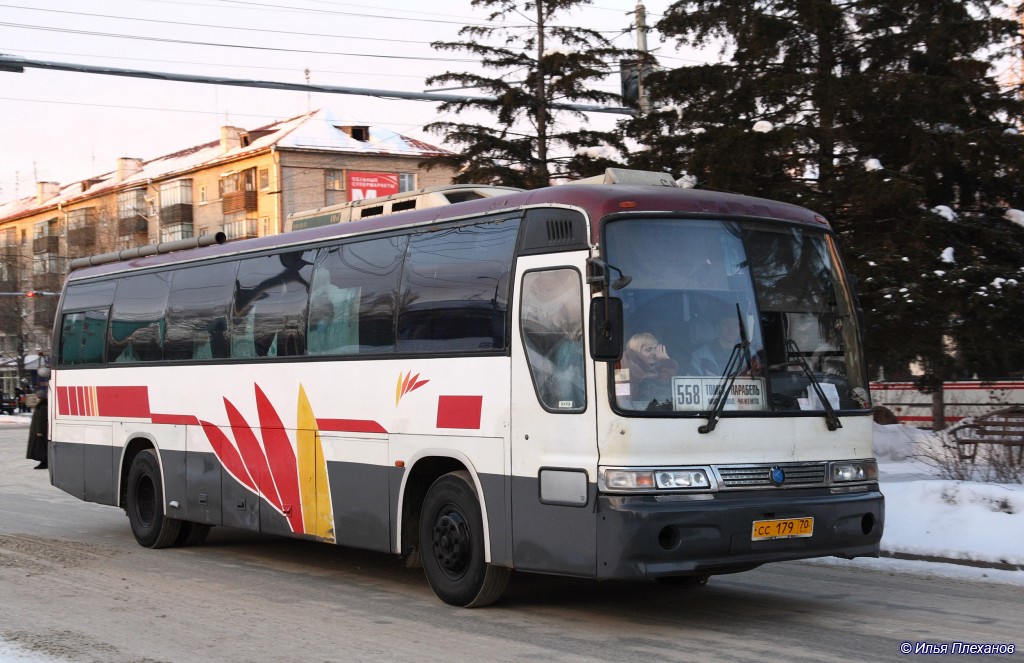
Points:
x=606, y=328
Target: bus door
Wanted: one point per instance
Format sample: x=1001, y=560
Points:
x=553, y=450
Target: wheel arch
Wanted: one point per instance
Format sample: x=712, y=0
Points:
x=132, y=448
x=421, y=472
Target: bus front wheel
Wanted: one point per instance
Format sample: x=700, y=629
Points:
x=452, y=545
x=145, y=504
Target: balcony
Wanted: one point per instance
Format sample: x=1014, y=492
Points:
x=48, y=282
x=46, y=244
x=132, y=226
x=44, y=310
x=175, y=215
x=239, y=201
x=241, y=229
x=82, y=236
x=177, y=231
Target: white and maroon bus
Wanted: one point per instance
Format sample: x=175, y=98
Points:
x=601, y=381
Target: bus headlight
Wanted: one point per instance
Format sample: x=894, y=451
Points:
x=854, y=470
x=652, y=479
x=682, y=479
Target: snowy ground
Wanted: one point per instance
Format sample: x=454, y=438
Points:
x=966, y=522
x=972, y=529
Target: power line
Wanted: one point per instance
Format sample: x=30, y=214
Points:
x=188, y=42
x=218, y=27
x=374, y=74
x=17, y=65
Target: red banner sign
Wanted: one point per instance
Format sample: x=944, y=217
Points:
x=363, y=185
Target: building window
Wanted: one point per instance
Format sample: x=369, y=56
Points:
x=406, y=181
x=131, y=204
x=240, y=181
x=240, y=225
x=334, y=180
x=45, y=263
x=264, y=178
x=202, y=193
x=178, y=192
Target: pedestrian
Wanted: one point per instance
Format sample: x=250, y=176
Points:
x=38, y=432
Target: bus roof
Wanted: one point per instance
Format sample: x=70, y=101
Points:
x=595, y=200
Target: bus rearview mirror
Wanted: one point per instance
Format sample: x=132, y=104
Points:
x=606, y=328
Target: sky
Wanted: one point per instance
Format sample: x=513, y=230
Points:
x=64, y=127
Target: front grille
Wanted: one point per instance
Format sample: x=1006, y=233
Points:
x=798, y=475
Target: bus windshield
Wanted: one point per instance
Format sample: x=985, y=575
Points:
x=760, y=309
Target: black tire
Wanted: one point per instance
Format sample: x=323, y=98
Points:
x=192, y=534
x=452, y=545
x=145, y=504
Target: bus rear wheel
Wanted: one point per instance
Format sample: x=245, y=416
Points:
x=145, y=504
x=452, y=545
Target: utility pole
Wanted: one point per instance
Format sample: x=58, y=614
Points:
x=643, y=98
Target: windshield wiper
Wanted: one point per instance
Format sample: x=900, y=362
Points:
x=831, y=419
x=740, y=352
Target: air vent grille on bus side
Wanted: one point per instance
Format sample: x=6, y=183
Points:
x=560, y=231
x=553, y=229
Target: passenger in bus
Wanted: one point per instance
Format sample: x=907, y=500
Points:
x=649, y=367
x=713, y=357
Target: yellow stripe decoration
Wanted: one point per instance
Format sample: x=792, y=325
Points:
x=314, y=489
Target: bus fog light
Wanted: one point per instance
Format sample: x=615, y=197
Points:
x=683, y=479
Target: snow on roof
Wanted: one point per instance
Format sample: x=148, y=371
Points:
x=318, y=130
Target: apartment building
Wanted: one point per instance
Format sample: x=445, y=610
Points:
x=245, y=184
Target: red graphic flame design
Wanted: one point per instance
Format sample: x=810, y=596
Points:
x=409, y=383
x=270, y=469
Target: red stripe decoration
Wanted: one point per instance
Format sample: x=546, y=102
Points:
x=73, y=395
x=459, y=412
x=228, y=455
x=281, y=458
x=252, y=454
x=350, y=426
x=130, y=402
x=63, y=401
x=175, y=419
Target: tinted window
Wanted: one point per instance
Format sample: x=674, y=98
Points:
x=137, y=318
x=455, y=288
x=352, y=306
x=197, y=312
x=269, y=314
x=82, y=337
x=98, y=294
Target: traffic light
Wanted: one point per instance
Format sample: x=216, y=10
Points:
x=30, y=294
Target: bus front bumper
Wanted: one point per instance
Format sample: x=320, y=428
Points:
x=665, y=535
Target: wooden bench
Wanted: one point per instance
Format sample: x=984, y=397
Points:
x=1003, y=428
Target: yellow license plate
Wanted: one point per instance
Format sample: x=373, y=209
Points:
x=782, y=528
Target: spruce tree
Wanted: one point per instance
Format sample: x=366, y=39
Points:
x=537, y=64
x=885, y=116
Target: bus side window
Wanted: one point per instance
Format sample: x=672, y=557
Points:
x=197, y=312
x=352, y=301
x=551, y=315
x=137, y=318
x=455, y=284
x=270, y=305
x=83, y=337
